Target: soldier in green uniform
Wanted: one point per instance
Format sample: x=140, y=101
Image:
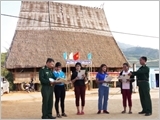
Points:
x=144, y=90
x=47, y=89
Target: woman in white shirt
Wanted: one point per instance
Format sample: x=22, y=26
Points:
x=126, y=88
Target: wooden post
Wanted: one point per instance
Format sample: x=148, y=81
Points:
x=114, y=84
x=67, y=78
x=135, y=82
x=36, y=86
x=34, y=74
x=91, y=82
x=15, y=79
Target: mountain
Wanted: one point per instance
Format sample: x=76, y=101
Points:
x=133, y=54
x=124, y=46
x=136, y=52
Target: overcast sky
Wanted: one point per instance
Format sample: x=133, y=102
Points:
x=137, y=17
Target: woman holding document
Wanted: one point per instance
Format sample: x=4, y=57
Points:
x=126, y=87
x=60, y=91
x=103, y=90
x=78, y=79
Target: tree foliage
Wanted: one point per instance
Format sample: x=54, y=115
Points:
x=5, y=73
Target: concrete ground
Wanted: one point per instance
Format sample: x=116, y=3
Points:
x=23, y=105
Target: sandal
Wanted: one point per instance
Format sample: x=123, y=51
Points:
x=99, y=112
x=78, y=113
x=64, y=115
x=58, y=116
x=129, y=112
x=82, y=113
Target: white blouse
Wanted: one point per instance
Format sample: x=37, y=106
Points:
x=125, y=85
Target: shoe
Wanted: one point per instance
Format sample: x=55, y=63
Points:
x=105, y=111
x=78, y=113
x=130, y=112
x=82, y=113
x=123, y=112
x=142, y=112
x=148, y=114
x=44, y=117
x=58, y=116
x=99, y=112
x=64, y=115
x=51, y=117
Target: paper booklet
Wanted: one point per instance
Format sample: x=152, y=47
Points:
x=59, y=80
x=62, y=80
x=108, y=78
x=124, y=77
x=82, y=72
x=51, y=79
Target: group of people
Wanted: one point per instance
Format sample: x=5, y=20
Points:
x=48, y=87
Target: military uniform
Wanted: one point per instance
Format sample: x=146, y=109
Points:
x=47, y=92
x=144, y=90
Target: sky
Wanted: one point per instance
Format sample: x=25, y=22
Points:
x=137, y=17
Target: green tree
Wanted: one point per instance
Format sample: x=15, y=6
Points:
x=5, y=73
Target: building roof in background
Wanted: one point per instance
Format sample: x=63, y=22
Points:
x=59, y=28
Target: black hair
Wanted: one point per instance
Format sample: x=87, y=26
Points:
x=78, y=63
x=144, y=58
x=100, y=69
x=49, y=60
x=126, y=64
x=58, y=64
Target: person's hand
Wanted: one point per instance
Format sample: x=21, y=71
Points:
x=52, y=83
x=58, y=78
x=107, y=81
x=120, y=80
x=76, y=78
x=128, y=80
x=58, y=82
x=130, y=74
x=83, y=76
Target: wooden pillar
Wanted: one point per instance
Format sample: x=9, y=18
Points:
x=135, y=82
x=34, y=75
x=15, y=72
x=114, y=84
x=91, y=81
x=68, y=74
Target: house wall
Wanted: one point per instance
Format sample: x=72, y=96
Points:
x=24, y=75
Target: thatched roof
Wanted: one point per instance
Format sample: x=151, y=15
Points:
x=79, y=29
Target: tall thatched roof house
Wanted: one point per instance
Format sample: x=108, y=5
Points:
x=60, y=28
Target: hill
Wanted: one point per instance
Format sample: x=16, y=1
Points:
x=133, y=54
x=124, y=46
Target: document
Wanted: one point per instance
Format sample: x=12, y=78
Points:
x=62, y=81
x=108, y=78
x=51, y=79
x=124, y=78
x=81, y=73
